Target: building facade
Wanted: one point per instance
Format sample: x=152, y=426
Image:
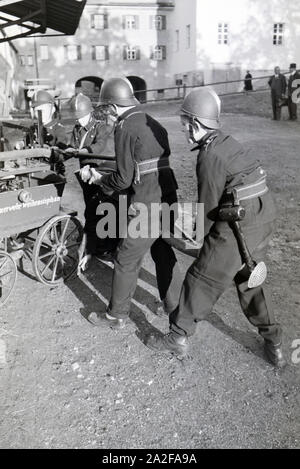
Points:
x=159, y=44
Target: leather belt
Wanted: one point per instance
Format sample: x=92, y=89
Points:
x=246, y=191
x=149, y=166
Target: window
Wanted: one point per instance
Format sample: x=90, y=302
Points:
x=100, y=53
x=22, y=60
x=30, y=60
x=131, y=53
x=130, y=22
x=73, y=52
x=278, y=34
x=44, y=52
x=158, y=53
x=223, y=33
x=158, y=22
x=188, y=36
x=99, y=21
x=177, y=40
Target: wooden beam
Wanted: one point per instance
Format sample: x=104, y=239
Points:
x=9, y=2
x=19, y=21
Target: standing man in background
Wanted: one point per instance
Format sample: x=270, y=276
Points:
x=277, y=84
x=248, y=82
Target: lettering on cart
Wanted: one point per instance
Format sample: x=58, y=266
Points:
x=32, y=203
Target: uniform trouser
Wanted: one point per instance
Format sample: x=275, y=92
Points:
x=292, y=108
x=128, y=261
x=218, y=264
x=275, y=105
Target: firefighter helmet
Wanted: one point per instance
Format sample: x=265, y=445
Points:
x=203, y=105
x=117, y=91
x=81, y=105
x=41, y=97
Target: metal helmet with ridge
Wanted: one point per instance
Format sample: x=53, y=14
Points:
x=81, y=105
x=41, y=97
x=203, y=105
x=117, y=91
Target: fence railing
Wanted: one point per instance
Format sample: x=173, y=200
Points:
x=179, y=92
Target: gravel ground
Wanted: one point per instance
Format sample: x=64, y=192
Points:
x=66, y=383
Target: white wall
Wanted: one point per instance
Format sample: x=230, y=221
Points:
x=8, y=91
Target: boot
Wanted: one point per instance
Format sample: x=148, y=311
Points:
x=274, y=354
x=169, y=343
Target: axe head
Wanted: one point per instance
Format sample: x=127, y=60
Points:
x=258, y=275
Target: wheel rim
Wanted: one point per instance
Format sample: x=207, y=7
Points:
x=56, y=251
x=8, y=276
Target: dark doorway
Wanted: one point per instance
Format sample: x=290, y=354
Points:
x=90, y=86
x=139, y=87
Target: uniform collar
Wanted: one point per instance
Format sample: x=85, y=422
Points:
x=206, y=141
x=90, y=124
x=127, y=113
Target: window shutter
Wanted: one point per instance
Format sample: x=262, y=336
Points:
x=93, y=52
x=151, y=53
x=164, y=22
x=151, y=18
x=105, y=21
x=137, y=21
x=125, y=52
x=164, y=52
x=92, y=21
x=78, y=52
x=138, y=53
x=106, y=53
x=123, y=21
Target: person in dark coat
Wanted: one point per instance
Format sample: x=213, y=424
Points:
x=277, y=84
x=293, y=84
x=223, y=168
x=143, y=170
x=248, y=82
x=90, y=137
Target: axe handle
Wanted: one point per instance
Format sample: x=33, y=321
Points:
x=246, y=256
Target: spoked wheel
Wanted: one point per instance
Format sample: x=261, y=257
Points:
x=55, y=255
x=8, y=276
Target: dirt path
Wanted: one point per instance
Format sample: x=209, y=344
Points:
x=65, y=383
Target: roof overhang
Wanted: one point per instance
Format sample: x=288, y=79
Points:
x=35, y=16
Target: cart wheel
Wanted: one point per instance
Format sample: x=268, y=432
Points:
x=55, y=255
x=8, y=276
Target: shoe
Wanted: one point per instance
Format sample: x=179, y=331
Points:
x=169, y=343
x=115, y=323
x=107, y=256
x=274, y=354
x=99, y=320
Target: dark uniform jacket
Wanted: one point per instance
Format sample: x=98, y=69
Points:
x=94, y=137
x=53, y=134
x=139, y=137
x=56, y=134
x=278, y=85
x=223, y=164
